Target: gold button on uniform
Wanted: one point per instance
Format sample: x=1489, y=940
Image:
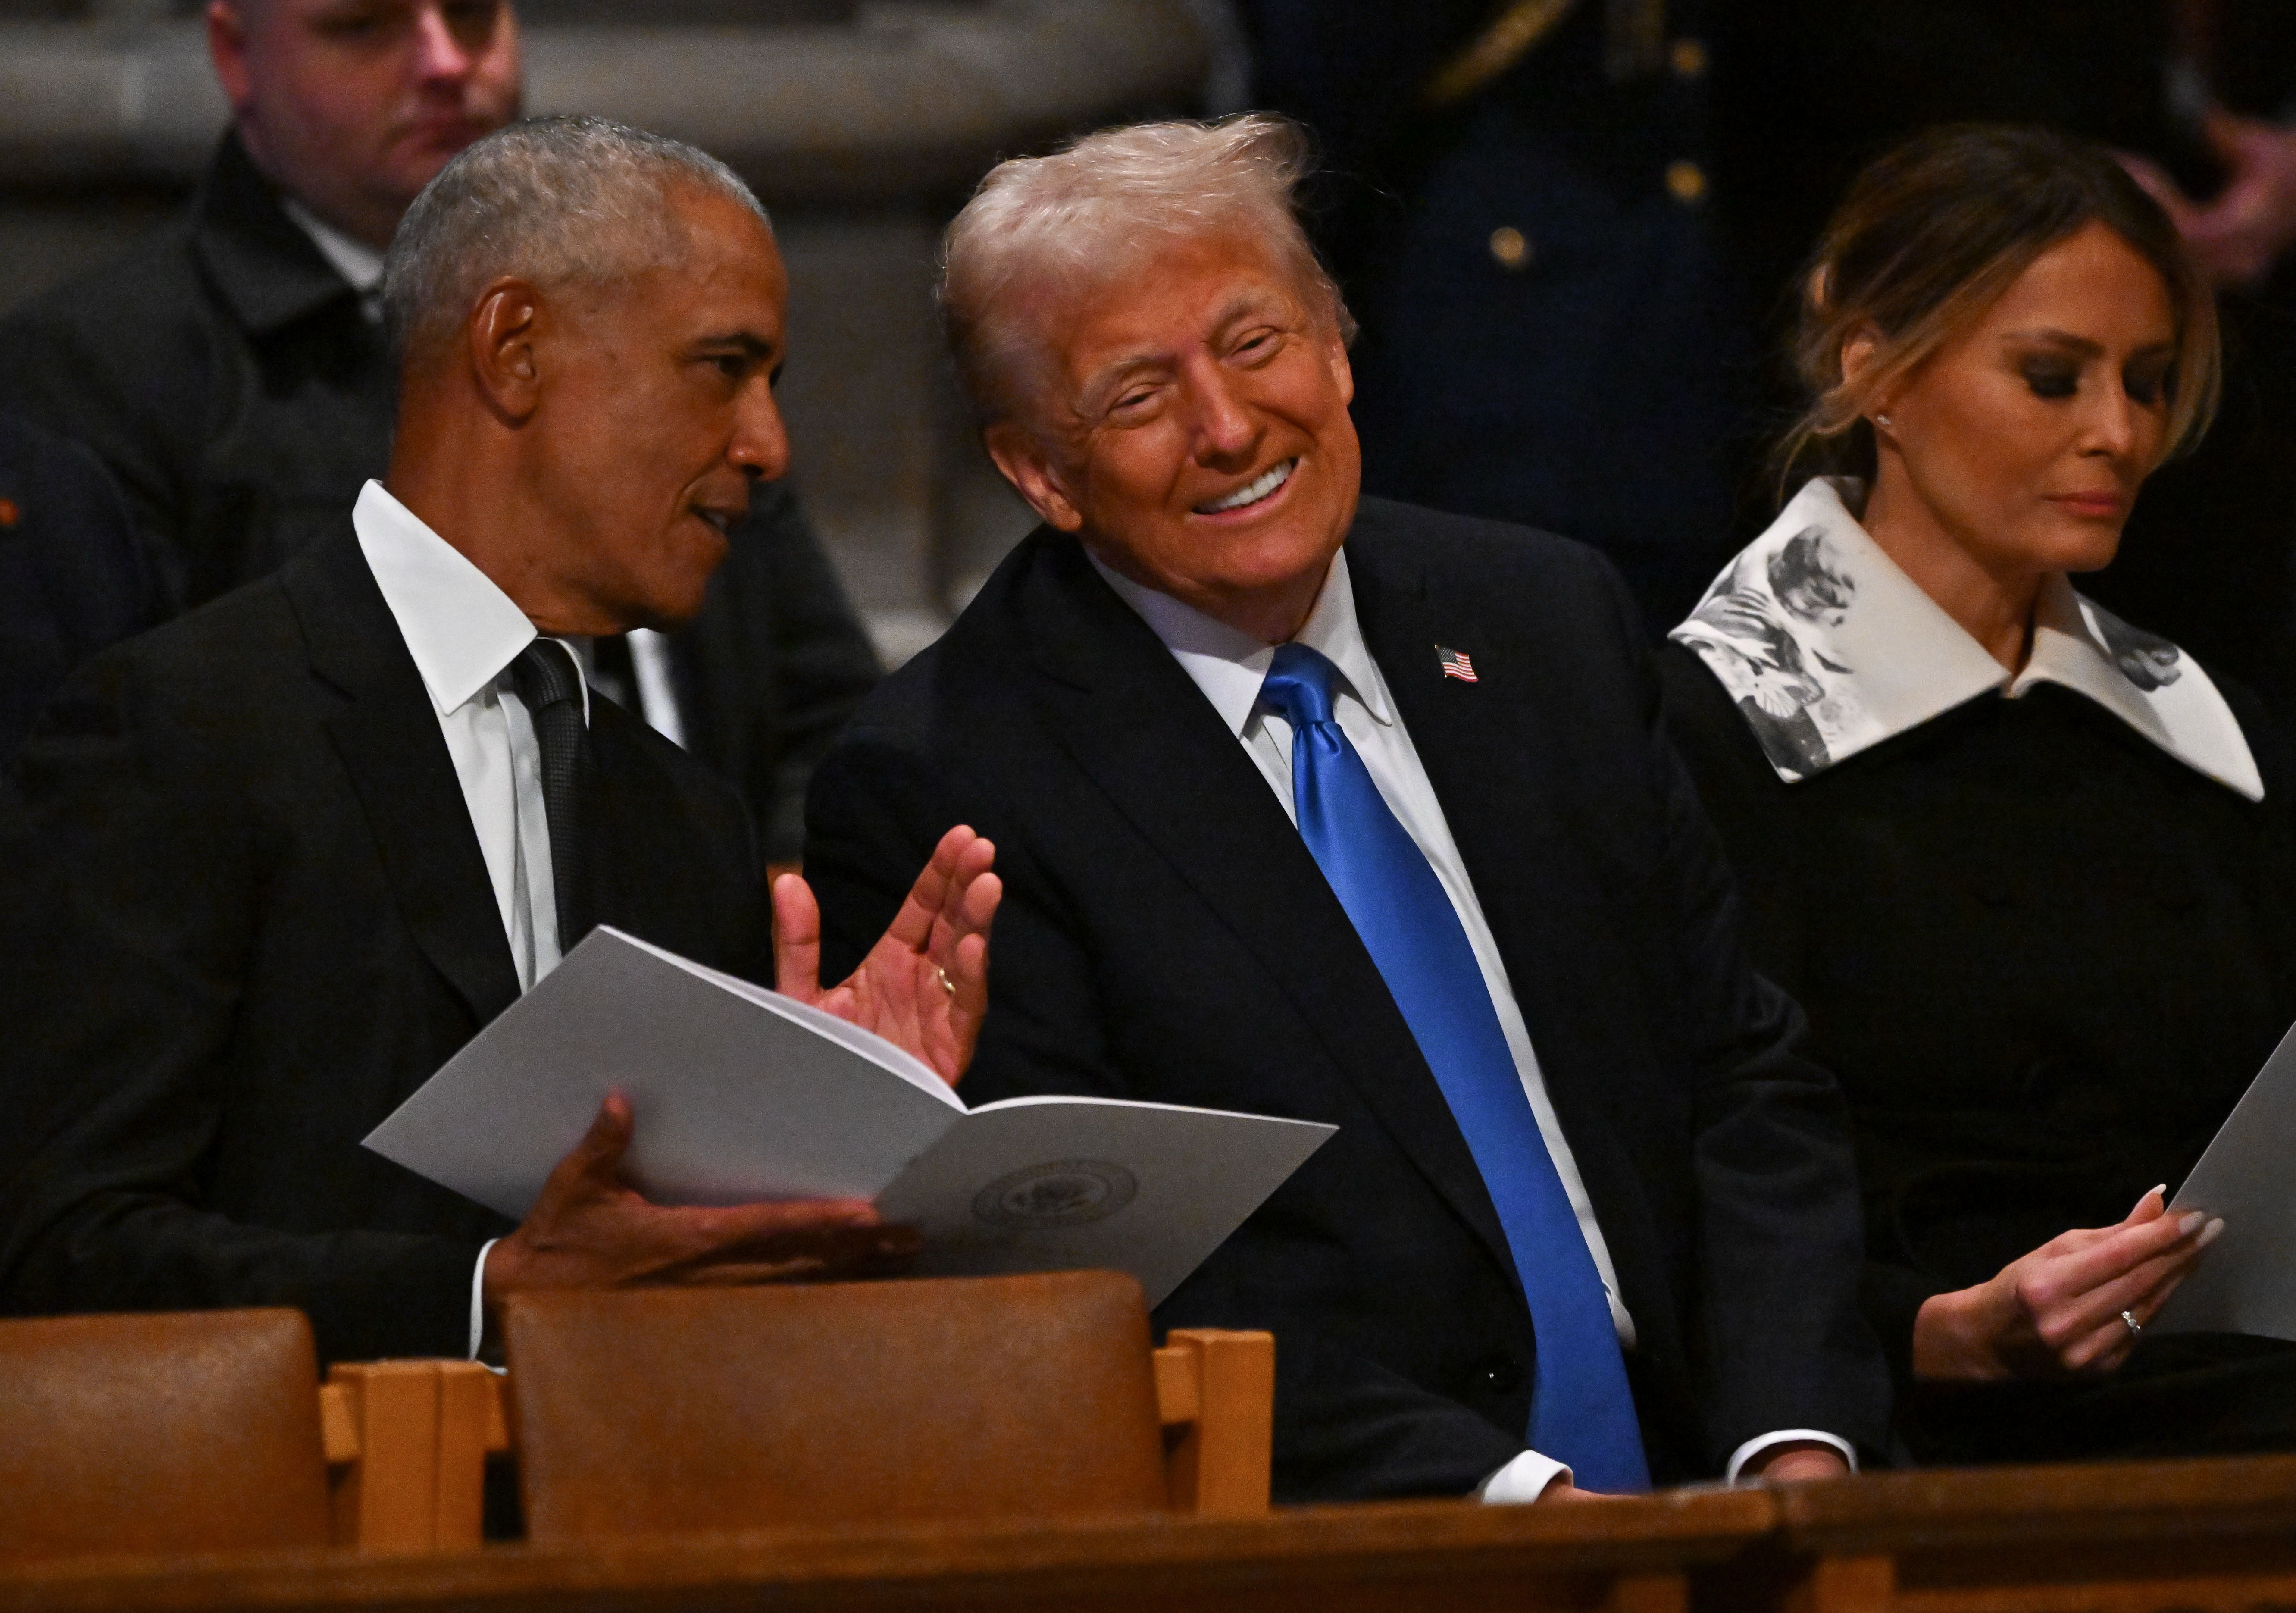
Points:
x=1686, y=181
x=1511, y=248
x=1687, y=58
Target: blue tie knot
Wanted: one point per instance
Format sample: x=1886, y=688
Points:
x=1299, y=686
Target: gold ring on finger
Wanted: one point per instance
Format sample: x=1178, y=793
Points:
x=948, y=985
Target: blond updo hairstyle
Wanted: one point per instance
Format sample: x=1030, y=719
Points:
x=1931, y=235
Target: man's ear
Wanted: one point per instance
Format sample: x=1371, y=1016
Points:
x=1030, y=469
x=227, y=50
x=501, y=335
x=1343, y=372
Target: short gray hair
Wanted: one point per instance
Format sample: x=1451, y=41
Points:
x=554, y=201
x=1091, y=211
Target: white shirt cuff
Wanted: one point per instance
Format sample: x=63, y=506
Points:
x=478, y=1300
x=1761, y=1442
x=1523, y=1479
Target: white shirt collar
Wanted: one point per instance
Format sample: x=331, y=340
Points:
x=460, y=627
x=1829, y=649
x=355, y=260
x=1229, y=665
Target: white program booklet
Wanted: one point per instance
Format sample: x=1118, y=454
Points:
x=740, y=1093
x=2246, y=1281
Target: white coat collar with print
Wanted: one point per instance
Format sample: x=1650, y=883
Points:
x=1829, y=648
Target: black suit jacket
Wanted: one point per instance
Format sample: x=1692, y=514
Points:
x=244, y=914
x=224, y=373
x=73, y=575
x=1166, y=935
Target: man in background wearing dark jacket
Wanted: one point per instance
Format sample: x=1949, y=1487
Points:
x=233, y=374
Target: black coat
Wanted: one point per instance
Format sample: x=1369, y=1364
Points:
x=2043, y=957
x=224, y=373
x=74, y=577
x=245, y=914
x=1166, y=935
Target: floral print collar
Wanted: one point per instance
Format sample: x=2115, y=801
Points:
x=1829, y=649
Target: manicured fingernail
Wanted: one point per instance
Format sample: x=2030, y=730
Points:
x=2162, y=1189
x=2191, y=1221
x=2214, y=1227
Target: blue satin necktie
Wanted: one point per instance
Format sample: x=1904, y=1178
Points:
x=1581, y=1410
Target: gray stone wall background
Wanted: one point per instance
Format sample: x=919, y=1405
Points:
x=862, y=125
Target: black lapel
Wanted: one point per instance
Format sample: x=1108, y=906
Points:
x=1487, y=747
x=265, y=269
x=388, y=737
x=1137, y=724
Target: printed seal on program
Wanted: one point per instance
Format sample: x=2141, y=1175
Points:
x=1064, y=1193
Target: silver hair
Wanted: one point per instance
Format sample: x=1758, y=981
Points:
x=1088, y=213
x=552, y=200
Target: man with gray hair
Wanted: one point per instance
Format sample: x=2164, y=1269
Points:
x=1334, y=808
x=232, y=374
x=266, y=868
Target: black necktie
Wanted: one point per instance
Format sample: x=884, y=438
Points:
x=551, y=685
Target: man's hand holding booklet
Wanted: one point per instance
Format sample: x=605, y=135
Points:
x=738, y=1094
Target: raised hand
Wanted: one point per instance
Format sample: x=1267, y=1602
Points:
x=590, y=1229
x=924, y=985
x=2058, y=1310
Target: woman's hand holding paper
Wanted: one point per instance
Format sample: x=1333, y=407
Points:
x=2061, y=1308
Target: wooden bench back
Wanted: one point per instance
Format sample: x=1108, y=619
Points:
x=640, y=1414
x=144, y=1434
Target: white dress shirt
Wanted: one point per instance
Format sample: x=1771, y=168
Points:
x=362, y=266
x=355, y=260
x=464, y=632
x=1230, y=666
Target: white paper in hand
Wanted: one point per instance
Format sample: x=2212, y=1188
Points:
x=738, y=1093
x=2244, y=1283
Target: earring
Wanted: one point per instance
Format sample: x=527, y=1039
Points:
x=1885, y=419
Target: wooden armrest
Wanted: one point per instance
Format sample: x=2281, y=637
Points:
x=407, y=1445
x=1215, y=1396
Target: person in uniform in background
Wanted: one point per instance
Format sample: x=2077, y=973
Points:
x=233, y=374
x=74, y=575
x=1525, y=212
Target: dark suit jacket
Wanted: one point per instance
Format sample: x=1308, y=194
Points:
x=1166, y=935
x=226, y=375
x=73, y=575
x=244, y=915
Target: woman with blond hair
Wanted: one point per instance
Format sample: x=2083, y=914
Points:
x=2028, y=869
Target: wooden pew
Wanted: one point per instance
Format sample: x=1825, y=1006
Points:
x=1443, y=1556
x=409, y=1439
x=2097, y=1538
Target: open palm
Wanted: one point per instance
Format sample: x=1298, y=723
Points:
x=924, y=985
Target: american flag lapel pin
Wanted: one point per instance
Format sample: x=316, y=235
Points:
x=1454, y=664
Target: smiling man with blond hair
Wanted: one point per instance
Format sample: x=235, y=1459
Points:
x=1323, y=806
